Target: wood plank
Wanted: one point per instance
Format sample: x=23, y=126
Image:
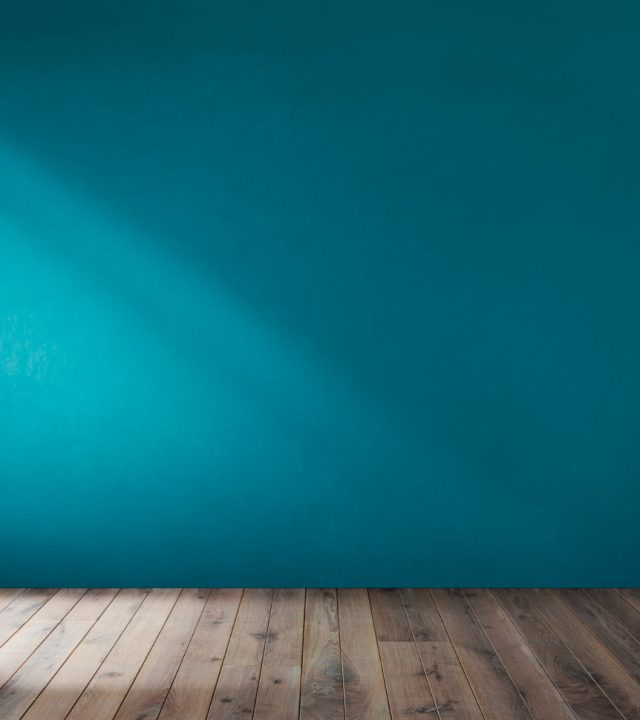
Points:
x=59, y=696
x=146, y=696
x=8, y=595
x=606, y=671
x=406, y=682
x=605, y=628
x=192, y=689
x=364, y=689
x=497, y=696
x=632, y=596
x=449, y=684
x=389, y=616
x=107, y=689
x=235, y=694
x=278, y=693
x=619, y=609
x=322, y=688
x=22, y=689
x=279, y=680
x=20, y=645
x=541, y=696
x=16, y=613
x=407, y=687
x=574, y=683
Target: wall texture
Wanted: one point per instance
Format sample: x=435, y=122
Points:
x=319, y=292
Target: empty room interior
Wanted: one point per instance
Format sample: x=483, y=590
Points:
x=319, y=360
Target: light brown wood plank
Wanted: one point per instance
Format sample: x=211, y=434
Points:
x=632, y=596
x=364, y=688
x=449, y=684
x=59, y=696
x=22, y=689
x=540, y=694
x=605, y=628
x=146, y=696
x=496, y=694
x=25, y=641
x=246, y=646
x=279, y=683
x=322, y=688
x=16, y=613
x=574, y=683
x=107, y=689
x=406, y=682
x=606, y=671
x=8, y=595
x=278, y=693
x=235, y=694
x=192, y=690
x=284, y=640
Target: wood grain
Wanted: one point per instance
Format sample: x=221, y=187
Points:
x=22, y=689
x=541, y=697
x=235, y=694
x=147, y=694
x=319, y=654
x=405, y=678
x=448, y=683
x=66, y=686
x=279, y=683
x=574, y=683
x=192, y=689
x=322, y=692
x=16, y=613
x=606, y=671
x=22, y=643
x=364, y=689
x=615, y=638
x=102, y=697
x=497, y=695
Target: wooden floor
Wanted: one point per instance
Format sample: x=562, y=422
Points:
x=193, y=654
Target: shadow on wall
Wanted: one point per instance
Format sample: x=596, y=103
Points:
x=316, y=298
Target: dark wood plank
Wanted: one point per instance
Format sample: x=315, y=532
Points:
x=389, y=616
x=364, y=688
x=575, y=684
x=632, y=596
x=192, y=689
x=606, y=671
x=31, y=678
x=497, y=695
x=407, y=685
x=449, y=684
x=619, y=609
x=322, y=688
x=147, y=694
x=279, y=683
x=539, y=693
x=235, y=693
x=614, y=637
x=59, y=696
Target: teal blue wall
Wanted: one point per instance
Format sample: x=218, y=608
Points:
x=319, y=292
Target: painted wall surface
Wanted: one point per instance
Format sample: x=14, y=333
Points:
x=313, y=293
